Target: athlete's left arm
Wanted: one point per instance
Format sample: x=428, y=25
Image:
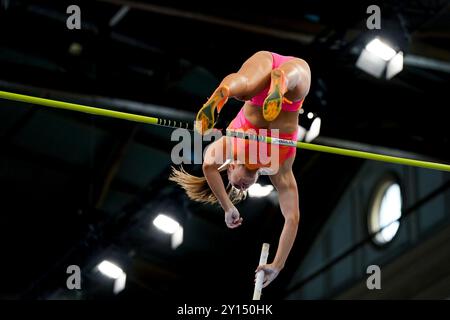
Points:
x=286, y=185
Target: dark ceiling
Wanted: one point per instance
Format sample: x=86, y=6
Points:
x=77, y=188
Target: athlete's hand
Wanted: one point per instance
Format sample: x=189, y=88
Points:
x=233, y=218
x=270, y=273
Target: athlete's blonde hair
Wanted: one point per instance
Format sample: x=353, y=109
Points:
x=197, y=188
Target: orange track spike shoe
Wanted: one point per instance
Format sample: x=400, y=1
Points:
x=206, y=117
x=274, y=101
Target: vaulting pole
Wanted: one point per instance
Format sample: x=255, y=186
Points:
x=260, y=275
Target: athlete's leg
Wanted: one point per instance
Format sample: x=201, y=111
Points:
x=252, y=77
x=297, y=77
x=289, y=81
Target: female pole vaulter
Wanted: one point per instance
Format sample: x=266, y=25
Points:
x=273, y=88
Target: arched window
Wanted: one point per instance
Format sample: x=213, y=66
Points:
x=385, y=210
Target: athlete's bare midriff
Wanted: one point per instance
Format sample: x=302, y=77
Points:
x=286, y=122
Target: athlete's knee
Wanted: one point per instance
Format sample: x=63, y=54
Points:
x=239, y=77
x=263, y=53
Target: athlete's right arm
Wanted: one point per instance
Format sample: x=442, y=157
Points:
x=215, y=157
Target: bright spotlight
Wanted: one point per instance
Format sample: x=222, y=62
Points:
x=395, y=65
x=314, y=130
x=110, y=270
x=166, y=224
x=258, y=191
x=380, y=60
x=114, y=272
x=301, y=132
x=119, y=283
x=177, y=238
x=381, y=49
